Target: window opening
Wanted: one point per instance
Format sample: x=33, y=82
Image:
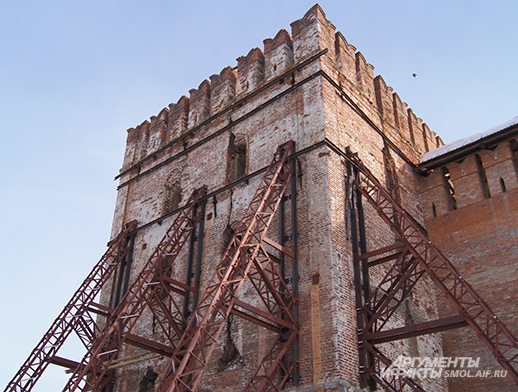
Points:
x=450, y=190
x=482, y=177
x=173, y=196
x=236, y=158
x=502, y=184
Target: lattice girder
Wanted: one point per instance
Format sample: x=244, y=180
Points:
x=138, y=298
x=244, y=253
x=74, y=317
x=440, y=270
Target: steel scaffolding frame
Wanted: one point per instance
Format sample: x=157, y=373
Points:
x=192, y=324
x=75, y=317
x=415, y=256
x=152, y=289
x=245, y=257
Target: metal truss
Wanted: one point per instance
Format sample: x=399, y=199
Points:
x=413, y=256
x=247, y=256
x=154, y=288
x=75, y=317
x=392, y=384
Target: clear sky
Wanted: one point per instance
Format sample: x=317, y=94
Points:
x=74, y=75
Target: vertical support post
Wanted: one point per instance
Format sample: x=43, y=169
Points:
x=199, y=255
x=282, y=235
x=188, y=274
x=118, y=286
x=129, y=263
x=365, y=283
x=124, y=272
x=360, y=322
x=363, y=246
x=295, y=266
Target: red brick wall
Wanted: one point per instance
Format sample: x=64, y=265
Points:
x=482, y=241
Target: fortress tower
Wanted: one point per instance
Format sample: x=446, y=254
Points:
x=272, y=163
x=312, y=87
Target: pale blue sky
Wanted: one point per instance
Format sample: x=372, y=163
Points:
x=74, y=75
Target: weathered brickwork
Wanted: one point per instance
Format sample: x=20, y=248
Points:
x=313, y=87
x=480, y=235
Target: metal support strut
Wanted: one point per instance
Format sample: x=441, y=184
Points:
x=74, y=317
x=415, y=256
x=154, y=288
x=246, y=257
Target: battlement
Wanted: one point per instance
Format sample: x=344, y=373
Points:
x=309, y=35
x=482, y=175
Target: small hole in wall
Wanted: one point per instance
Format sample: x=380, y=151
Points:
x=144, y=246
x=275, y=67
x=502, y=185
x=147, y=383
x=434, y=211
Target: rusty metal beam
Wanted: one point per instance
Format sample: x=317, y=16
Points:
x=147, y=291
x=244, y=254
x=253, y=319
x=385, y=259
x=267, y=315
x=410, y=331
x=149, y=345
x=278, y=246
x=64, y=362
x=175, y=282
x=72, y=317
x=380, y=251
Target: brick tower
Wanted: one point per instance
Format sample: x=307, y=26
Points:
x=314, y=88
x=272, y=231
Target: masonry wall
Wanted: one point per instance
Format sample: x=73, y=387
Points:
x=480, y=236
x=312, y=87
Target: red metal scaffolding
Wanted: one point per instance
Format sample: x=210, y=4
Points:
x=153, y=289
x=75, y=317
x=246, y=257
x=192, y=323
x=415, y=256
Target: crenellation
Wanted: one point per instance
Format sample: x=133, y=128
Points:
x=500, y=169
x=415, y=124
x=157, y=131
x=427, y=137
x=466, y=180
x=401, y=116
x=131, y=148
x=278, y=54
x=434, y=195
x=250, y=71
x=178, y=118
x=143, y=140
x=384, y=100
x=345, y=57
x=312, y=33
x=199, y=104
x=365, y=77
x=223, y=89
